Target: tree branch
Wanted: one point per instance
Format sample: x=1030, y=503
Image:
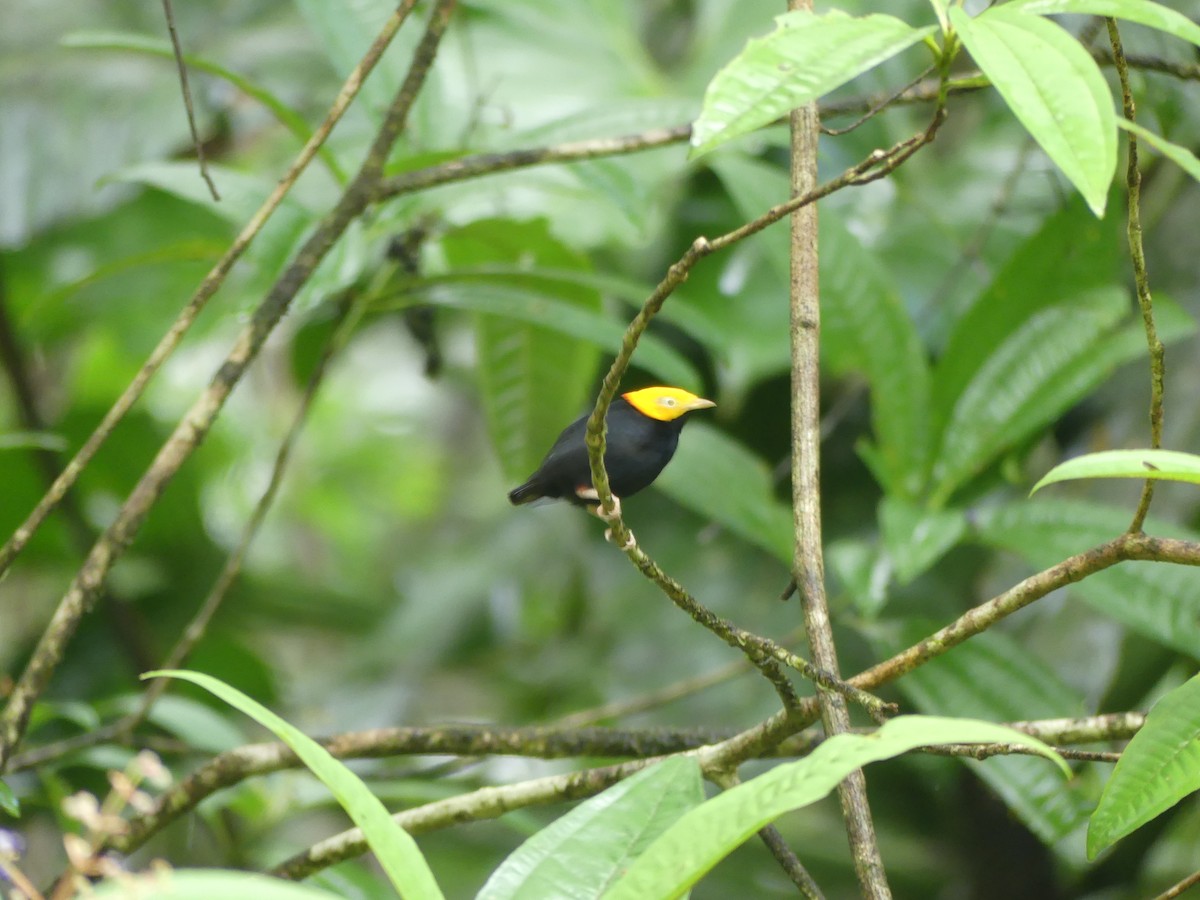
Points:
x=235, y=766
x=1133, y=183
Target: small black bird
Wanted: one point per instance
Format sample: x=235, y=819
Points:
x=643, y=431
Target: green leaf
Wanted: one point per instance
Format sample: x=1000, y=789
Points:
x=1054, y=88
x=27, y=440
x=1181, y=156
x=868, y=329
x=704, y=836
x=8, y=801
x=805, y=57
x=917, y=537
x=863, y=571
x=397, y=852
x=1143, y=12
x=1070, y=254
x=745, y=502
x=1158, y=768
x=585, y=851
x=533, y=380
x=129, y=42
x=1158, y=600
x=197, y=725
x=205, y=884
x=993, y=676
x=1067, y=377
x=241, y=194
x=1034, y=376
x=1168, y=465
x=543, y=309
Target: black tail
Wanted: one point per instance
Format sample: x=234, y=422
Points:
x=526, y=493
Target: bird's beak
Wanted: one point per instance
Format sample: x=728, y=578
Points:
x=700, y=403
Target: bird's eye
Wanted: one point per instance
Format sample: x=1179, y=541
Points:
x=668, y=401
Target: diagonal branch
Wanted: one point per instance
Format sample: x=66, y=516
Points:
x=188, y=434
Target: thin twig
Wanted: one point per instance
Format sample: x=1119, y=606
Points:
x=1133, y=183
x=556, y=742
x=208, y=287
x=485, y=803
x=492, y=163
x=86, y=585
x=879, y=104
x=1178, y=890
x=187, y=100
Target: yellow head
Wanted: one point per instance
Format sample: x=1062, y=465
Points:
x=665, y=403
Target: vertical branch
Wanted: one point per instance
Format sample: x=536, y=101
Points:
x=1133, y=183
x=809, y=563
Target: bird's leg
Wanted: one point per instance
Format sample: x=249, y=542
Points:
x=589, y=493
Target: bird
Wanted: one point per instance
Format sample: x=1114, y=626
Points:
x=643, y=432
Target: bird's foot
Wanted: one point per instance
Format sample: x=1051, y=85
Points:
x=589, y=493
x=628, y=545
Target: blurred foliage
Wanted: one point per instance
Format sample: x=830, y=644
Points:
x=978, y=327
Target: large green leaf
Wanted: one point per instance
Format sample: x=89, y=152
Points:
x=581, y=854
x=805, y=57
x=1158, y=600
x=241, y=196
x=701, y=838
x=128, y=42
x=533, y=380
x=205, y=884
x=917, y=537
x=1071, y=378
x=1168, y=465
x=992, y=676
x=520, y=302
x=1159, y=767
x=1143, y=12
x=1069, y=255
x=717, y=477
x=865, y=324
x=1054, y=88
x=1029, y=380
x=397, y=852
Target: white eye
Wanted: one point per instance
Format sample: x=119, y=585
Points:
x=667, y=401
